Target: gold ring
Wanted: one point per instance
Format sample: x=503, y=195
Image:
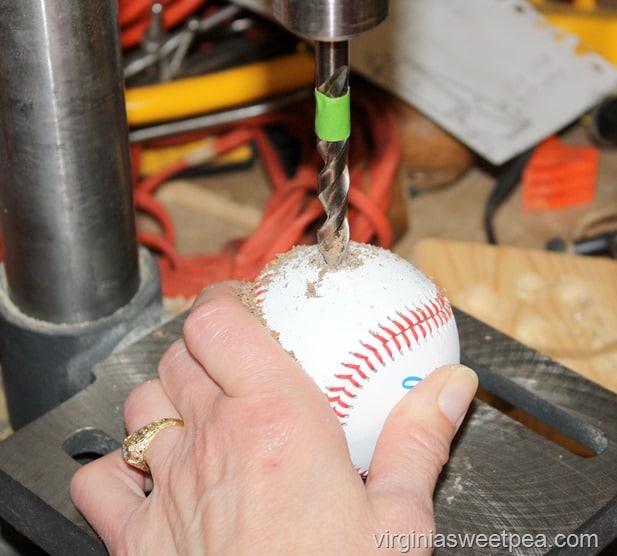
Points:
x=135, y=445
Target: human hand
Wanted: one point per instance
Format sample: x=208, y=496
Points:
x=261, y=464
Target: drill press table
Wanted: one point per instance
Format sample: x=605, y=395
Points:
x=503, y=478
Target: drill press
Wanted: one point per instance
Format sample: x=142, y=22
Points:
x=502, y=478
x=330, y=24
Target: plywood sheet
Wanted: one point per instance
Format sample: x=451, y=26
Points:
x=559, y=304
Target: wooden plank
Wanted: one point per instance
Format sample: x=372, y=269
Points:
x=210, y=204
x=559, y=304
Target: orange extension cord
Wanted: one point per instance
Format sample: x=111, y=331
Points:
x=293, y=211
x=134, y=17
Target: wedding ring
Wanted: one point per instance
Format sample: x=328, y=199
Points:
x=135, y=445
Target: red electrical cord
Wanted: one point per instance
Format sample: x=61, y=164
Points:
x=293, y=211
x=134, y=17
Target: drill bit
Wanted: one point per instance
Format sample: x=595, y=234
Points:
x=331, y=24
x=332, y=66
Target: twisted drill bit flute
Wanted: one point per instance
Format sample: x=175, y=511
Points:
x=330, y=24
x=332, y=107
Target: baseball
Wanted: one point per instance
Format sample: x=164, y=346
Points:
x=367, y=331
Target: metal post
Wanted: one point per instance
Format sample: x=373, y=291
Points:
x=73, y=285
x=65, y=193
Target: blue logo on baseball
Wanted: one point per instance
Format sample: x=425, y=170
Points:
x=410, y=382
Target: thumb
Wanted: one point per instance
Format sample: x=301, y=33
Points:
x=414, y=444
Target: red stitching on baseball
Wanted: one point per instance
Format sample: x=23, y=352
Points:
x=418, y=322
x=351, y=378
x=384, y=343
x=409, y=326
x=393, y=336
x=364, y=358
x=423, y=321
x=336, y=402
x=258, y=291
x=375, y=351
x=357, y=369
x=402, y=330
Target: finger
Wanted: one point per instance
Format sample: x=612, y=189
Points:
x=147, y=403
x=186, y=382
x=238, y=352
x=415, y=441
x=108, y=493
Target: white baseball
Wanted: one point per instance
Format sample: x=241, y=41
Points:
x=366, y=332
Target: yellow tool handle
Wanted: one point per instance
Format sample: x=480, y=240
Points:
x=217, y=91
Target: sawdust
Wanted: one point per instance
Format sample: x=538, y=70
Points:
x=310, y=256
x=311, y=290
x=334, y=245
x=353, y=259
x=301, y=256
x=246, y=293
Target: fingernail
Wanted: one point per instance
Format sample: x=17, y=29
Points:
x=456, y=394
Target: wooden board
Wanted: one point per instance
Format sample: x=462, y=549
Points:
x=559, y=304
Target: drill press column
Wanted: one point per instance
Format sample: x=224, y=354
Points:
x=73, y=283
x=66, y=194
x=331, y=23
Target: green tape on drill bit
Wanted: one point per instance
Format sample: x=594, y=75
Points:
x=332, y=117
